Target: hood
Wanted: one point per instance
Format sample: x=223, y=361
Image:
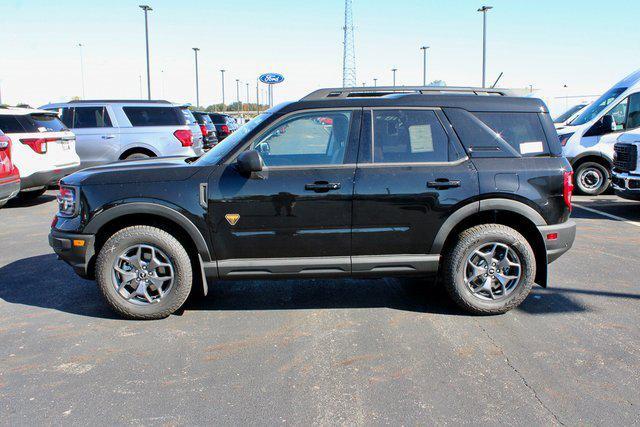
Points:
x=157, y=169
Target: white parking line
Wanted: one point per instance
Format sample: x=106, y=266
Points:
x=608, y=215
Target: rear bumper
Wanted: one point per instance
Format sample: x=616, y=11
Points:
x=558, y=238
x=626, y=185
x=66, y=246
x=43, y=179
x=9, y=189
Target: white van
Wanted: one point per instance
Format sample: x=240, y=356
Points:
x=588, y=142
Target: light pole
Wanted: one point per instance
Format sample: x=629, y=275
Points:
x=484, y=10
x=238, y=93
x=147, y=9
x=424, y=64
x=81, y=69
x=140, y=83
x=394, y=75
x=195, y=51
x=375, y=82
x=257, y=97
x=247, y=95
x=222, y=72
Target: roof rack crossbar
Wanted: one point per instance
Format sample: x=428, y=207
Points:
x=349, y=92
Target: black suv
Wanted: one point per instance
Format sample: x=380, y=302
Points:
x=366, y=182
x=208, y=129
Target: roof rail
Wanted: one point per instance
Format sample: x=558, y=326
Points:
x=377, y=91
x=128, y=101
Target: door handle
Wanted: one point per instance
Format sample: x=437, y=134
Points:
x=443, y=183
x=322, y=186
x=108, y=136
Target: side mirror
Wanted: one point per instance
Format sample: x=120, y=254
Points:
x=602, y=127
x=249, y=161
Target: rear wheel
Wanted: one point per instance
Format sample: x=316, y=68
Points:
x=592, y=178
x=144, y=273
x=31, y=194
x=489, y=270
x=137, y=156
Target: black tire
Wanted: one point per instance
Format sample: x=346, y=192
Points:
x=592, y=179
x=30, y=194
x=455, y=263
x=137, y=156
x=142, y=234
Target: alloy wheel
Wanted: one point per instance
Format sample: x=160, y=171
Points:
x=492, y=271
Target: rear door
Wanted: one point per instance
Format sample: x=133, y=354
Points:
x=411, y=176
x=97, y=139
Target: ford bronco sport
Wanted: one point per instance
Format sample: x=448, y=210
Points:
x=369, y=182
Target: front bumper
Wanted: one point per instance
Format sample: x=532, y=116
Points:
x=626, y=185
x=68, y=248
x=9, y=189
x=558, y=238
x=46, y=178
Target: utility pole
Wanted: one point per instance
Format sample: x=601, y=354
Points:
x=81, y=69
x=257, y=97
x=394, y=75
x=195, y=51
x=247, y=95
x=484, y=10
x=375, y=82
x=238, y=93
x=424, y=64
x=140, y=83
x=223, y=103
x=146, y=36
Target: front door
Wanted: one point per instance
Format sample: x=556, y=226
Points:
x=294, y=216
x=409, y=180
x=97, y=141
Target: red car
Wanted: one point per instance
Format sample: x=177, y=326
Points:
x=9, y=176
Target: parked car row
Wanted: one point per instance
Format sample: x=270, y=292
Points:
x=49, y=143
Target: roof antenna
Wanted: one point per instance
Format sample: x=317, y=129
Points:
x=497, y=80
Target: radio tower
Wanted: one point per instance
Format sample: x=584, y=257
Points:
x=349, y=53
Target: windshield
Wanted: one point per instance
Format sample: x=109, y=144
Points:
x=218, y=152
x=567, y=114
x=598, y=105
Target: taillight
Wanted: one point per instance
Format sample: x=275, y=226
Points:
x=567, y=188
x=204, y=130
x=184, y=136
x=225, y=129
x=39, y=145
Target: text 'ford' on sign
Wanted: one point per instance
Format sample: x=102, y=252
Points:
x=271, y=78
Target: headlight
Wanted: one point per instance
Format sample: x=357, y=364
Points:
x=564, y=138
x=68, y=201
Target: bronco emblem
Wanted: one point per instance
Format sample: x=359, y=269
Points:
x=232, y=219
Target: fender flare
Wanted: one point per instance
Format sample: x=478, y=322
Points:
x=479, y=206
x=97, y=222
x=597, y=154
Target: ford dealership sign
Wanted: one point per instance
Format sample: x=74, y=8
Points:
x=271, y=78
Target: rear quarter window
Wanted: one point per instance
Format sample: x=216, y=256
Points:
x=154, y=116
x=522, y=131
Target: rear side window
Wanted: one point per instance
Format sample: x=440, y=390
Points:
x=154, y=116
x=408, y=136
x=10, y=124
x=91, y=117
x=522, y=131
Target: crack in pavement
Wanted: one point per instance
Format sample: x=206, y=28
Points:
x=522, y=378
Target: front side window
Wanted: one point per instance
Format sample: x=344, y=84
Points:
x=408, y=136
x=90, y=117
x=318, y=138
x=633, y=116
x=154, y=116
x=598, y=105
x=619, y=115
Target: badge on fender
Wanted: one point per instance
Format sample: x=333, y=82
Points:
x=232, y=219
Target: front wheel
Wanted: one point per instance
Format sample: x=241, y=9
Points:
x=592, y=179
x=489, y=270
x=144, y=273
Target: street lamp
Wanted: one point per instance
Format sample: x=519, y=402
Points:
x=238, y=93
x=424, y=64
x=247, y=95
x=81, y=69
x=484, y=10
x=394, y=75
x=222, y=72
x=195, y=51
x=146, y=36
x=375, y=82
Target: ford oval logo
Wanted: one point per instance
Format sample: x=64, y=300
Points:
x=271, y=78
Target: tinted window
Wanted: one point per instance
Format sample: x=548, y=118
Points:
x=154, y=116
x=523, y=131
x=66, y=115
x=9, y=124
x=91, y=117
x=219, y=119
x=633, y=120
x=306, y=139
x=408, y=136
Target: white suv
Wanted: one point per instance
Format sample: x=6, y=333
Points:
x=112, y=130
x=43, y=149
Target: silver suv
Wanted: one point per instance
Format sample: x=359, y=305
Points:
x=110, y=130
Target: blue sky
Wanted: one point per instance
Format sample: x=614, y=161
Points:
x=583, y=44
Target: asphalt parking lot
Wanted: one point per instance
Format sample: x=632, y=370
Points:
x=324, y=351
